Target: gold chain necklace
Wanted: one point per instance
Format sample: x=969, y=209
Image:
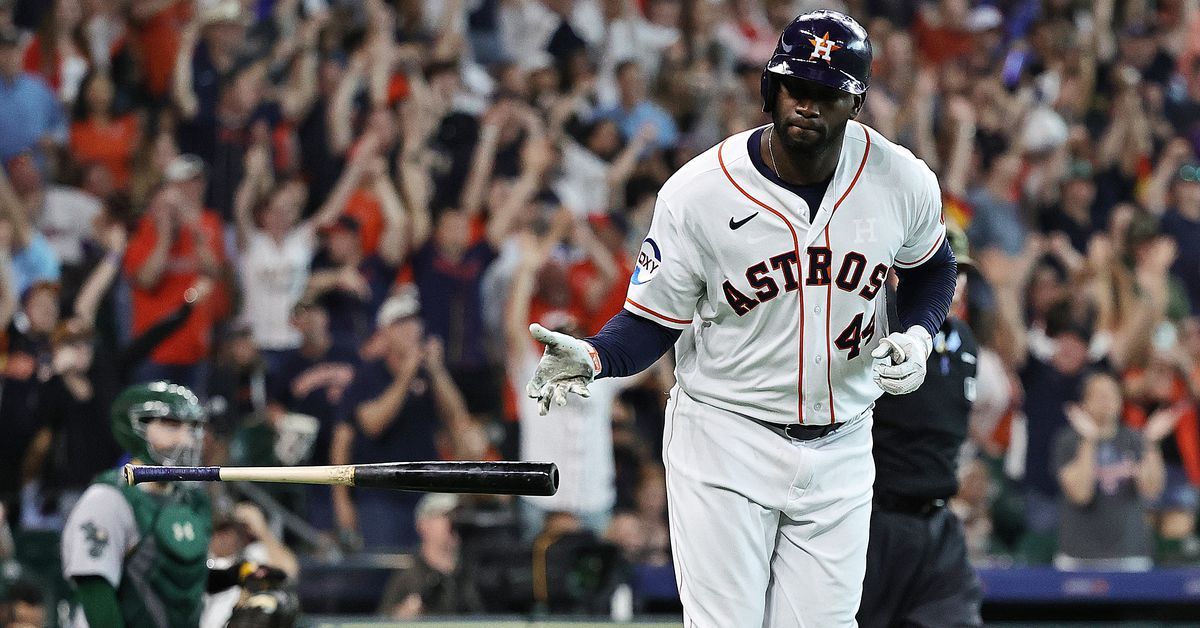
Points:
x=771, y=150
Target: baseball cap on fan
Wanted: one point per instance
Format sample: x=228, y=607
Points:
x=184, y=168
x=224, y=12
x=404, y=304
x=436, y=505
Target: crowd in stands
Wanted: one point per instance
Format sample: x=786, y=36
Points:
x=335, y=220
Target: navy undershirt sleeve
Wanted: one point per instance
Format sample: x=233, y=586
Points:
x=925, y=292
x=629, y=344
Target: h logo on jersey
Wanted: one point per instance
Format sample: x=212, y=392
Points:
x=822, y=47
x=649, y=260
x=183, y=530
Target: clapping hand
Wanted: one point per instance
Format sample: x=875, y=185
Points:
x=1161, y=423
x=1082, y=423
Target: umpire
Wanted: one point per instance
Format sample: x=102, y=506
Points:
x=917, y=569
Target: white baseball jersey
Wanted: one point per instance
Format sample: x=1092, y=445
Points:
x=779, y=314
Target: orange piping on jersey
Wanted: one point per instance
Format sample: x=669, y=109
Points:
x=931, y=251
x=829, y=287
x=799, y=271
x=656, y=314
x=828, y=325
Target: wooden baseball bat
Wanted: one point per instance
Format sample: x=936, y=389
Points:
x=496, y=478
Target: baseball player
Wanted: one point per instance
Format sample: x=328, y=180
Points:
x=764, y=266
x=917, y=569
x=137, y=554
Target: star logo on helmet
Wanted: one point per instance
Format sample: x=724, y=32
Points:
x=822, y=47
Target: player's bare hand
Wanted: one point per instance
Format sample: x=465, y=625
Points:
x=567, y=366
x=899, y=366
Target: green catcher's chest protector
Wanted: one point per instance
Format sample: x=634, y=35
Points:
x=164, y=575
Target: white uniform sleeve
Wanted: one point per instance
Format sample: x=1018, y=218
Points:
x=926, y=227
x=666, y=285
x=98, y=533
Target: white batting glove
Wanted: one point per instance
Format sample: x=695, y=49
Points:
x=900, y=360
x=568, y=366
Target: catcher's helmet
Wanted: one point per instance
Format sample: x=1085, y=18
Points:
x=139, y=404
x=823, y=46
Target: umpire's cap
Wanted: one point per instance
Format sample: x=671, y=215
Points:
x=824, y=46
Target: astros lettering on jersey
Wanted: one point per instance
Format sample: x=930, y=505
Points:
x=780, y=315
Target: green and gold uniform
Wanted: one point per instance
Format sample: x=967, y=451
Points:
x=138, y=554
x=152, y=548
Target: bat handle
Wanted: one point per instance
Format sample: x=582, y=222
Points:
x=136, y=474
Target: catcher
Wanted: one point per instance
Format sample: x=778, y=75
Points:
x=137, y=554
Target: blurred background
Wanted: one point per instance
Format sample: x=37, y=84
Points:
x=308, y=209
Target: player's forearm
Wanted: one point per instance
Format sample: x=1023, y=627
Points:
x=99, y=601
x=925, y=292
x=629, y=344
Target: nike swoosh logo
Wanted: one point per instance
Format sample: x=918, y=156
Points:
x=737, y=224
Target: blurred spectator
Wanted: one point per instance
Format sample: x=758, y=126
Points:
x=972, y=505
x=157, y=29
x=27, y=364
x=1162, y=387
x=277, y=247
x=635, y=110
x=348, y=282
x=63, y=214
x=31, y=118
x=311, y=380
x=997, y=216
x=23, y=606
x=101, y=133
x=642, y=532
x=221, y=138
x=1173, y=192
x=237, y=383
x=71, y=446
x=579, y=437
x=391, y=412
x=58, y=52
x=437, y=583
x=33, y=259
x=1107, y=471
x=1075, y=212
x=448, y=269
x=243, y=535
x=596, y=169
x=175, y=243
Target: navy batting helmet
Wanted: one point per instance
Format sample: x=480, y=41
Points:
x=823, y=46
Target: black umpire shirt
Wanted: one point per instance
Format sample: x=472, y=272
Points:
x=917, y=436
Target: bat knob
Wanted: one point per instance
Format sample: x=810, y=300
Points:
x=127, y=474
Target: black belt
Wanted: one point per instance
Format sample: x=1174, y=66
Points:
x=797, y=431
x=920, y=506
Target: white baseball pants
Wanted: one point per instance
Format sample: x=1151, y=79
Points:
x=766, y=531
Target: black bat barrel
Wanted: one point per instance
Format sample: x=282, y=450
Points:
x=494, y=478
